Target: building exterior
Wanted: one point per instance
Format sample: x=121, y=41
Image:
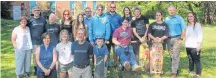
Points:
x=56, y=7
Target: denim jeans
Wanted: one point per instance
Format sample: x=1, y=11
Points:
x=194, y=59
x=126, y=54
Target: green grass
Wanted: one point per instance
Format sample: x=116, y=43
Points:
x=207, y=56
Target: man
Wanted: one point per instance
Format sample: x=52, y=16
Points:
x=37, y=28
x=115, y=21
x=140, y=27
x=81, y=51
x=176, y=34
x=122, y=38
x=88, y=15
x=99, y=25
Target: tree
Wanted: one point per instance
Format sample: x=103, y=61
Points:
x=6, y=9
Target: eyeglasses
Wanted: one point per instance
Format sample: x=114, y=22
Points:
x=100, y=9
x=112, y=7
x=66, y=14
x=36, y=10
x=87, y=11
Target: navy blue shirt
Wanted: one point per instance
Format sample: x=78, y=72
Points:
x=81, y=53
x=37, y=28
x=101, y=51
x=54, y=30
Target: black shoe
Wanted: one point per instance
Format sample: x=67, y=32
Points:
x=178, y=71
x=35, y=68
x=35, y=73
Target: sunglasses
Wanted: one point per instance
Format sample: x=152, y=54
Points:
x=112, y=7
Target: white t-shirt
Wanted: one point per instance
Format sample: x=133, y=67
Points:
x=193, y=36
x=64, y=53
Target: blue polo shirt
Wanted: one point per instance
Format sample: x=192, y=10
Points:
x=86, y=20
x=175, y=24
x=115, y=21
x=101, y=52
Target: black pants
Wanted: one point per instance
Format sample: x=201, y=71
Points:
x=194, y=59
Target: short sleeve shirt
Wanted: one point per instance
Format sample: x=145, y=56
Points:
x=123, y=36
x=140, y=25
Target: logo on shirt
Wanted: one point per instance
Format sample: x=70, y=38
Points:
x=123, y=34
x=103, y=20
x=158, y=27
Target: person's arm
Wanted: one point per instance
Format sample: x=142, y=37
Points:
x=147, y=26
x=86, y=30
x=166, y=33
x=107, y=30
x=200, y=37
x=74, y=30
x=136, y=34
x=54, y=59
x=183, y=29
x=114, y=38
x=106, y=54
x=38, y=61
x=90, y=31
x=94, y=59
x=60, y=23
x=13, y=38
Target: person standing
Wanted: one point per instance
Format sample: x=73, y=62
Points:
x=193, y=43
x=81, y=51
x=21, y=40
x=88, y=15
x=65, y=60
x=53, y=29
x=140, y=27
x=115, y=21
x=176, y=34
x=127, y=14
x=79, y=24
x=66, y=23
x=99, y=25
x=36, y=25
x=46, y=57
x=158, y=31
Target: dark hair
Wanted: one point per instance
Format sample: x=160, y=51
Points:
x=124, y=12
x=195, y=18
x=77, y=23
x=44, y=35
x=160, y=13
x=127, y=19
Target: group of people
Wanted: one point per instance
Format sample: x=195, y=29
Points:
x=68, y=46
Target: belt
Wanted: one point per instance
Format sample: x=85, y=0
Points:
x=81, y=66
x=174, y=36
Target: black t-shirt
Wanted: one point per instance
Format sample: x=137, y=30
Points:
x=37, y=28
x=158, y=30
x=140, y=25
x=54, y=30
x=81, y=53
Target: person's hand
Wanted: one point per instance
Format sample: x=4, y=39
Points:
x=198, y=48
x=45, y=72
x=92, y=43
x=159, y=40
x=180, y=41
x=14, y=46
x=123, y=46
x=94, y=63
x=48, y=71
x=141, y=40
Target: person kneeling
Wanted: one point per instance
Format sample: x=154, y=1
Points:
x=122, y=38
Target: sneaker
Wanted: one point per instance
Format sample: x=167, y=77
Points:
x=127, y=65
x=195, y=76
x=137, y=68
x=27, y=75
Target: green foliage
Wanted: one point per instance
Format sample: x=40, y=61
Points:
x=149, y=8
x=6, y=9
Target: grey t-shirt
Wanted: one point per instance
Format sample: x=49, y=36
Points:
x=54, y=30
x=37, y=28
x=140, y=25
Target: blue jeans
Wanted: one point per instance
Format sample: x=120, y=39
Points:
x=23, y=61
x=126, y=54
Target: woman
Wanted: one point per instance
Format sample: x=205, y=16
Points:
x=66, y=23
x=79, y=24
x=158, y=31
x=193, y=42
x=53, y=29
x=127, y=14
x=65, y=58
x=46, y=58
x=21, y=40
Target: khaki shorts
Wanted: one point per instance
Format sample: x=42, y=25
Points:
x=66, y=68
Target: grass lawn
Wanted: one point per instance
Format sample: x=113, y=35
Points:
x=208, y=54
